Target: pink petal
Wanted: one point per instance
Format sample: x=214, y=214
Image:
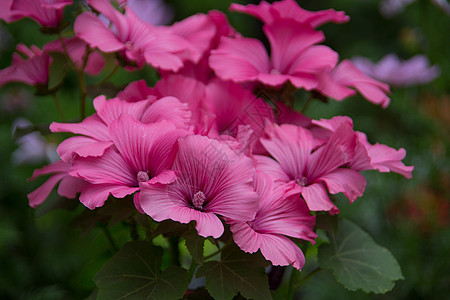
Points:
x=112, y=109
x=169, y=109
x=95, y=195
x=56, y=167
x=38, y=196
x=70, y=186
x=245, y=237
x=270, y=167
x=317, y=199
x=346, y=181
x=208, y=224
x=262, y=11
x=387, y=159
x=288, y=39
x=92, y=126
x=82, y=146
x=239, y=59
x=137, y=91
x=165, y=177
x=281, y=251
x=290, y=145
x=89, y=28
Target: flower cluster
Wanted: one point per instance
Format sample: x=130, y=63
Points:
x=203, y=144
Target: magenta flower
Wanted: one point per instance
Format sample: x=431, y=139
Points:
x=391, y=70
x=280, y=215
x=293, y=56
x=289, y=9
x=212, y=180
x=32, y=70
x=47, y=13
x=139, y=42
x=77, y=50
x=141, y=153
x=96, y=137
x=337, y=82
x=310, y=172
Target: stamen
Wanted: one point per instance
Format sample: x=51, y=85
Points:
x=301, y=181
x=198, y=200
x=142, y=176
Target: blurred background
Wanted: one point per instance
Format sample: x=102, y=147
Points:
x=50, y=253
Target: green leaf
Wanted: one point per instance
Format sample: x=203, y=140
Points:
x=236, y=272
x=357, y=262
x=134, y=272
x=194, y=243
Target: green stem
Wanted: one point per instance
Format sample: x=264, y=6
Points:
x=111, y=242
x=58, y=107
x=307, y=103
x=192, y=269
x=133, y=230
x=175, y=251
x=66, y=52
x=313, y=272
x=116, y=67
x=291, y=288
x=82, y=84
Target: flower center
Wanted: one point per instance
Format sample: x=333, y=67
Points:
x=275, y=72
x=301, y=181
x=142, y=176
x=198, y=200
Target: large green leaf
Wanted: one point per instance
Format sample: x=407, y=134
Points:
x=357, y=262
x=236, y=272
x=195, y=244
x=134, y=272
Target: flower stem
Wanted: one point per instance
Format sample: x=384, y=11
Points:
x=291, y=287
x=307, y=103
x=309, y=275
x=58, y=107
x=116, y=67
x=111, y=242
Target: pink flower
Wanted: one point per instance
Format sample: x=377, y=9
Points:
x=280, y=215
x=77, y=50
x=212, y=180
x=141, y=153
x=68, y=186
x=289, y=9
x=96, y=136
x=310, y=172
x=48, y=13
x=32, y=70
x=337, y=82
x=293, y=56
x=139, y=42
x=394, y=72
x=367, y=156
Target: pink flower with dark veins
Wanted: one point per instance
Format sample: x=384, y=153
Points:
x=311, y=170
x=294, y=58
x=212, y=181
x=140, y=153
x=280, y=215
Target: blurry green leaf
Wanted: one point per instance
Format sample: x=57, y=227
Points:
x=55, y=203
x=24, y=130
x=194, y=244
x=236, y=272
x=134, y=272
x=117, y=209
x=357, y=262
x=88, y=220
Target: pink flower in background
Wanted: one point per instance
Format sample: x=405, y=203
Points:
x=155, y=12
x=289, y=9
x=212, y=180
x=48, y=13
x=336, y=84
x=77, y=50
x=139, y=42
x=280, y=215
x=294, y=57
x=310, y=172
x=32, y=70
x=391, y=70
x=141, y=153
